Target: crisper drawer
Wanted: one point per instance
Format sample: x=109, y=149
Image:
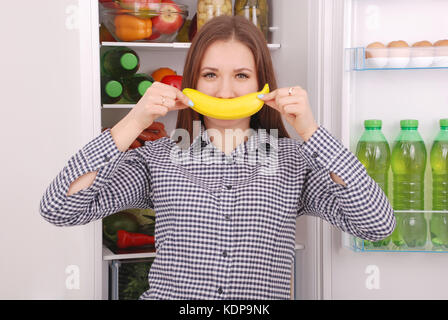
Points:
x=128, y=278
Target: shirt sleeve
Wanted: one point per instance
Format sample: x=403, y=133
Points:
x=360, y=208
x=122, y=182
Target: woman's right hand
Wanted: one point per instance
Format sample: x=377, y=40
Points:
x=157, y=101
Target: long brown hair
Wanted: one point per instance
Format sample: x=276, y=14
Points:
x=227, y=28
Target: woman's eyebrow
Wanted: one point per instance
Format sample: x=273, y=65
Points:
x=236, y=70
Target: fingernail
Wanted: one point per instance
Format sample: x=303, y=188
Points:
x=190, y=103
x=260, y=96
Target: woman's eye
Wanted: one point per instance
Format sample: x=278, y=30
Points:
x=242, y=76
x=209, y=75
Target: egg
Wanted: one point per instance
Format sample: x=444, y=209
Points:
x=422, y=54
x=376, y=50
x=398, y=48
x=441, y=53
x=441, y=48
x=399, y=54
x=376, y=55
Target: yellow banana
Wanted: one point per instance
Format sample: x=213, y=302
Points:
x=226, y=109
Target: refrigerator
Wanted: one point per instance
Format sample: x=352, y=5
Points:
x=52, y=89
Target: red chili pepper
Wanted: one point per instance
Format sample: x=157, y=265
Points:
x=131, y=239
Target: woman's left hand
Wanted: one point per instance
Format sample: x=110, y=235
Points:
x=293, y=104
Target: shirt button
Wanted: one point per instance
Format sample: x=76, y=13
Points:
x=220, y=291
x=224, y=254
x=227, y=218
x=314, y=155
x=229, y=187
x=106, y=158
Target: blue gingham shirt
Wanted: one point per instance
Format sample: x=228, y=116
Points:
x=225, y=224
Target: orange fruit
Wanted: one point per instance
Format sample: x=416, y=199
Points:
x=161, y=72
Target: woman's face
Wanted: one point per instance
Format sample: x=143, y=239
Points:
x=227, y=71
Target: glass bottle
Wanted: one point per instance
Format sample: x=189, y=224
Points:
x=208, y=9
x=256, y=11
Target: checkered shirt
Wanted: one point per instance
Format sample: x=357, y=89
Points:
x=225, y=223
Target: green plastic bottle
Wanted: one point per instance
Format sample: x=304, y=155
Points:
x=408, y=167
x=136, y=86
x=119, y=62
x=111, y=90
x=374, y=153
x=439, y=166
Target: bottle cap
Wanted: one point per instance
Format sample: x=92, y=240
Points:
x=373, y=124
x=143, y=86
x=443, y=122
x=129, y=61
x=113, y=88
x=409, y=123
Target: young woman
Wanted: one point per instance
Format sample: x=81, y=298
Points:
x=225, y=207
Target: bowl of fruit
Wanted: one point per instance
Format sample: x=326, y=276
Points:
x=143, y=20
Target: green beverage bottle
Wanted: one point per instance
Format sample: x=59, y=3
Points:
x=136, y=86
x=374, y=153
x=408, y=167
x=439, y=166
x=111, y=90
x=120, y=62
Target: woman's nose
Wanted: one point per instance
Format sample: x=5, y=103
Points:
x=225, y=90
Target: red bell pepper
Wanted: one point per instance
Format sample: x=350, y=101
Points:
x=131, y=239
x=173, y=80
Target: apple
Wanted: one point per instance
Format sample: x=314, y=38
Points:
x=174, y=81
x=109, y=4
x=170, y=18
x=140, y=4
x=155, y=35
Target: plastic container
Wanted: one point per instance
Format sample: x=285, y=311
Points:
x=439, y=166
x=422, y=57
x=208, y=9
x=408, y=166
x=155, y=22
x=374, y=153
x=256, y=11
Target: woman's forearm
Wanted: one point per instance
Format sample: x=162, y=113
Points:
x=123, y=133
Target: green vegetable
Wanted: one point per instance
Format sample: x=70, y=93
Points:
x=119, y=221
x=133, y=280
x=143, y=216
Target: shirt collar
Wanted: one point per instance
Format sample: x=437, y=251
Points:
x=259, y=139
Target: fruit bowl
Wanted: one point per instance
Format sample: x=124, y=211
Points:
x=143, y=20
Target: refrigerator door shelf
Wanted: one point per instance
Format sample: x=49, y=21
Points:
x=416, y=231
x=363, y=59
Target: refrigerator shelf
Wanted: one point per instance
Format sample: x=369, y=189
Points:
x=118, y=106
x=168, y=45
x=398, y=243
x=393, y=59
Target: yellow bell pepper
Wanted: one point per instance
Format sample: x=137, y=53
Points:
x=131, y=28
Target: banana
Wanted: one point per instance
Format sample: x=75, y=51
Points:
x=226, y=109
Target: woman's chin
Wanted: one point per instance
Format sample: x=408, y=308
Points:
x=225, y=123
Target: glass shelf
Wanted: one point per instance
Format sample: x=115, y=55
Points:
x=404, y=239
x=167, y=45
x=363, y=59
